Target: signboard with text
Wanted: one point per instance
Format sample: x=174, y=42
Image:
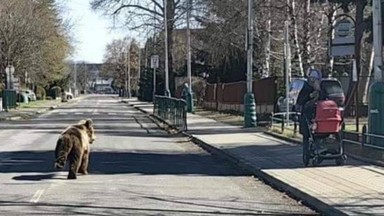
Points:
x=343, y=41
x=155, y=61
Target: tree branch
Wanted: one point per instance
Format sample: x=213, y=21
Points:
x=137, y=7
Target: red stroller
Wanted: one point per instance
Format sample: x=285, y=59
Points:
x=325, y=142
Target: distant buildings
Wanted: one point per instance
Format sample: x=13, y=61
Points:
x=89, y=77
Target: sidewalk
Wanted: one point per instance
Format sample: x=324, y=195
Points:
x=32, y=109
x=353, y=189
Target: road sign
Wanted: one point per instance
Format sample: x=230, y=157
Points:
x=9, y=70
x=16, y=83
x=343, y=41
x=155, y=61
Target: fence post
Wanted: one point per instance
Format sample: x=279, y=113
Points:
x=295, y=124
x=282, y=124
x=364, y=135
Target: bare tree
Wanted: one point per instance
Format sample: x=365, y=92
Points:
x=116, y=61
x=141, y=14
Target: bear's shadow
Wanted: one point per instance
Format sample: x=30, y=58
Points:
x=34, y=177
x=38, y=165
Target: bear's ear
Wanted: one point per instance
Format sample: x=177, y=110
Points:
x=88, y=123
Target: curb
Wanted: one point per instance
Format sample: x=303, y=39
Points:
x=355, y=157
x=29, y=115
x=295, y=193
x=278, y=136
x=275, y=183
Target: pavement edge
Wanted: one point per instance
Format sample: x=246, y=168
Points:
x=34, y=114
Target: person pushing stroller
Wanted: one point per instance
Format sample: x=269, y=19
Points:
x=320, y=119
x=306, y=103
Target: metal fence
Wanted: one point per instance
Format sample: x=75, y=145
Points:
x=280, y=120
x=364, y=139
x=171, y=110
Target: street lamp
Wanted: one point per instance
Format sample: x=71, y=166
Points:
x=167, y=92
x=127, y=54
x=249, y=98
x=129, y=70
x=190, y=106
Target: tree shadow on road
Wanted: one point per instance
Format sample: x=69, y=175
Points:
x=108, y=162
x=91, y=209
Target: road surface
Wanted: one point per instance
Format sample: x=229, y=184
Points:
x=135, y=169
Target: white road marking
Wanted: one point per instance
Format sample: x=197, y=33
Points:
x=78, y=113
x=37, y=196
x=95, y=112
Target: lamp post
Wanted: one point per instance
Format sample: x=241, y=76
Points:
x=190, y=105
x=249, y=98
x=167, y=92
x=138, y=73
x=129, y=70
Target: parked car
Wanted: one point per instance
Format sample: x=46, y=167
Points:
x=330, y=89
x=294, y=90
x=30, y=94
x=68, y=95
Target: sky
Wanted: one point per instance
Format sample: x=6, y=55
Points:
x=92, y=31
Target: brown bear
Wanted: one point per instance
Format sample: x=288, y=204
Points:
x=73, y=144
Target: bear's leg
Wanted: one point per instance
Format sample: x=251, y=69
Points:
x=74, y=162
x=63, y=147
x=84, y=163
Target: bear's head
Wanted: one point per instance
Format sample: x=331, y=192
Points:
x=88, y=123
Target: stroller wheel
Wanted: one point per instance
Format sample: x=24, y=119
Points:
x=316, y=161
x=341, y=160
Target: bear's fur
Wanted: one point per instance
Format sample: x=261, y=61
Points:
x=73, y=145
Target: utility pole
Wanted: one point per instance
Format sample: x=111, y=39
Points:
x=75, y=79
x=190, y=106
x=138, y=74
x=249, y=98
x=129, y=70
x=377, y=42
x=126, y=73
x=167, y=92
x=287, y=59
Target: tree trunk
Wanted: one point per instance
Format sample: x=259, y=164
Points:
x=267, y=72
x=331, y=22
x=306, y=62
x=365, y=81
x=296, y=37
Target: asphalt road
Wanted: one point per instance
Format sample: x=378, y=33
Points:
x=135, y=169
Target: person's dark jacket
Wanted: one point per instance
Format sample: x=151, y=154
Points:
x=305, y=104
